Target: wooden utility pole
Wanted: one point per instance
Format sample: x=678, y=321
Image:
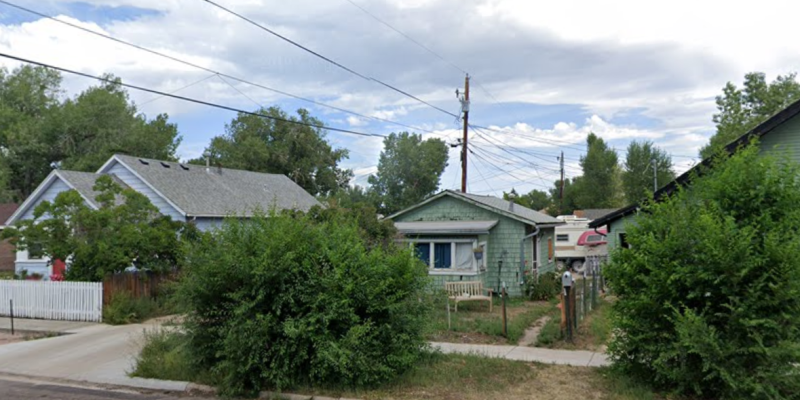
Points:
x=465, y=110
x=561, y=191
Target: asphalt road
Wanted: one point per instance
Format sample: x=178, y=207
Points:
x=29, y=390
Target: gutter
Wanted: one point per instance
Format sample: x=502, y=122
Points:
x=522, y=252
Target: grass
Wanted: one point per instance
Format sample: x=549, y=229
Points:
x=593, y=332
x=437, y=376
x=474, y=324
x=126, y=309
x=6, y=275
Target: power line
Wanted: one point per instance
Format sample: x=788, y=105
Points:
x=174, y=96
x=331, y=61
x=194, y=65
x=412, y=40
x=480, y=173
x=178, y=90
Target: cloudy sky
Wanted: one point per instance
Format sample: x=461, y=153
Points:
x=545, y=74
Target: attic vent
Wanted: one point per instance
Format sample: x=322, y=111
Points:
x=165, y=165
x=145, y=162
x=184, y=167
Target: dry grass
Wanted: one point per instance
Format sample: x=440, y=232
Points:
x=459, y=377
x=473, y=323
x=593, y=332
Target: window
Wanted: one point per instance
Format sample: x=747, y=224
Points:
x=594, y=238
x=454, y=255
x=35, y=251
x=623, y=241
x=562, y=238
x=442, y=254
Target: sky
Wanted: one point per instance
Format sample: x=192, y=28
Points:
x=543, y=74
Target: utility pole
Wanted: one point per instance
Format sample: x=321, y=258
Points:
x=561, y=191
x=655, y=178
x=465, y=110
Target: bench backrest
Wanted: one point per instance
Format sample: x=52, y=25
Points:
x=461, y=288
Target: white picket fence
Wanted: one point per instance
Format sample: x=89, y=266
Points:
x=68, y=301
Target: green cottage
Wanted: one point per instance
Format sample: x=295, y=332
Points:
x=778, y=134
x=467, y=237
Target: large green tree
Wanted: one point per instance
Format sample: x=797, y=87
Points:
x=125, y=231
x=408, y=170
x=637, y=174
x=601, y=176
x=535, y=199
x=39, y=129
x=741, y=109
x=277, y=146
x=566, y=201
x=29, y=99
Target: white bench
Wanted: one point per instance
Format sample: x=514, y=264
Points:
x=465, y=291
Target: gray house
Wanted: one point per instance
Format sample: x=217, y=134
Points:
x=447, y=229
x=188, y=193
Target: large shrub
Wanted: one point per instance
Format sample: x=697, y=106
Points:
x=545, y=288
x=709, y=291
x=283, y=300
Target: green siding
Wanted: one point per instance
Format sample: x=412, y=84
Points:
x=784, y=139
x=503, y=241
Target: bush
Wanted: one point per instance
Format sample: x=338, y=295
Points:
x=546, y=288
x=126, y=309
x=166, y=355
x=709, y=292
x=284, y=300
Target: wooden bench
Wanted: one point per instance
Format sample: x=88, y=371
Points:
x=465, y=291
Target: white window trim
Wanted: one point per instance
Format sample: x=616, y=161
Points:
x=474, y=269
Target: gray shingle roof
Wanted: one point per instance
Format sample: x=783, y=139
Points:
x=84, y=182
x=594, y=213
x=505, y=205
x=220, y=191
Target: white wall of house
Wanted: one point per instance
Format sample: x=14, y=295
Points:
x=32, y=266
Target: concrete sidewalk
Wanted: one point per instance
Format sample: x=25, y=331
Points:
x=97, y=354
x=41, y=325
x=578, y=358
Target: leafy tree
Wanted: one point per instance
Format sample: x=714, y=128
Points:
x=409, y=170
x=351, y=196
x=709, y=290
x=601, y=175
x=569, y=203
x=102, y=121
x=535, y=199
x=637, y=176
x=39, y=131
x=125, y=231
x=741, y=110
x=28, y=101
x=286, y=300
x=300, y=152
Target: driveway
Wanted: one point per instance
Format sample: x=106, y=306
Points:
x=100, y=354
x=26, y=389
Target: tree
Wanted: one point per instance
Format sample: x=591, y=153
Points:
x=110, y=239
x=102, y=121
x=28, y=101
x=535, y=199
x=302, y=153
x=569, y=203
x=708, y=294
x=39, y=131
x=601, y=175
x=637, y=176
x=408, y=170
x=741, y=110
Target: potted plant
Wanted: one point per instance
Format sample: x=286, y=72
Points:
x=478, y=252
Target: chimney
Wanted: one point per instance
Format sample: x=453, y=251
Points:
x=207, y=155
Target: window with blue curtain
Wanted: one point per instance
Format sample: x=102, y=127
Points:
x=423, y=251
x=442, y=255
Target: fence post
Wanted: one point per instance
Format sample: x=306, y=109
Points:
x=11, y=310
x=566, y=282
x=505, y=321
